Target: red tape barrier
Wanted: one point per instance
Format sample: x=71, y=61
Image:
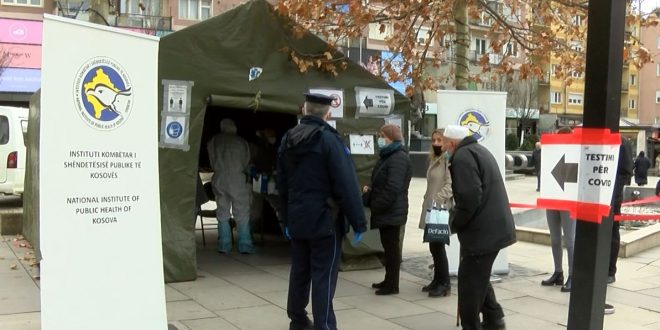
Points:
x=621, y=217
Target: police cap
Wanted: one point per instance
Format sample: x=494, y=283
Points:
x=318, y=99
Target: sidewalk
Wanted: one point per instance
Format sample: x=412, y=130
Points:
x=249, y=292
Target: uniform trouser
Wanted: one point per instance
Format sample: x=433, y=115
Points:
x=233, y=197
x=314, y=262
x=440, y=264
x=559, y=221
x=538, y=179
x=475, y=293
x=390, y=239
x=616, y=240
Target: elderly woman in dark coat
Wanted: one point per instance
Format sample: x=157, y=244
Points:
x=387, y=197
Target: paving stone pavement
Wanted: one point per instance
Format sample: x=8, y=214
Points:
x=249, y=292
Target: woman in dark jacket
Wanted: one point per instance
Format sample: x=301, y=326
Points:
x=387, y=197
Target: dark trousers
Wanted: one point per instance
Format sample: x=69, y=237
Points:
x=314, y=262
x=475, y=293
x=616, y=240
x=389, y=238
x=440, y=264
x=538, y=179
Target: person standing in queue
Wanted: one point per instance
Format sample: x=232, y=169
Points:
x=387, y=197
x=320, y=197
x=438, y=190
x=536, y=156
x=482, y=220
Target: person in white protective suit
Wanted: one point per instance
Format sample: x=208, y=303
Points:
x=230, y=157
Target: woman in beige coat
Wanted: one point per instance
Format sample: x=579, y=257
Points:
x=438, y=190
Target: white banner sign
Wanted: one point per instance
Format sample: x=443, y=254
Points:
x=337, y=106
x=102, y=265
x=374, y=101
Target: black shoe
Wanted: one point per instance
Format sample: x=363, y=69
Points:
x=430, y=286
x=611, y=279
x=378, y=285
x=440, y=291
x=557, y=278
x=307, y=326
x=494, y=325
x=386, y=291
x=566, y=287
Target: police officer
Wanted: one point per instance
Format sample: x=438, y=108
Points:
x=319, y=192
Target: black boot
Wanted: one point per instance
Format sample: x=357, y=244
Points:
x=387, y=291
x=440, y=291
x=378, y=285
x=431, y=286
x=557, y=278
x=566, y=287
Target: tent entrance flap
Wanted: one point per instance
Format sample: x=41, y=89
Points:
x=256, y=102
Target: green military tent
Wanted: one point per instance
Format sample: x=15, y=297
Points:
x=216, y=58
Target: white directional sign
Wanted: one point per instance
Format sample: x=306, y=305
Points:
x=373, y=101
x=337, y=106
x=578, y=172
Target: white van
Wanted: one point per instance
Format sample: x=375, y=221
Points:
x=13, y=135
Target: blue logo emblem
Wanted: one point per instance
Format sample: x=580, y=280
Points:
x=174, y=130
x=255, y=72
x=476, y=122
x=103, y=94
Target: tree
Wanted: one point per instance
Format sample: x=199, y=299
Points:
x=5, y=60
x=537, y=27
x=522, y=98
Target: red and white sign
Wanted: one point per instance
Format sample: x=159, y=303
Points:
x=22, y=56
x=578, y=171
x=337, y=106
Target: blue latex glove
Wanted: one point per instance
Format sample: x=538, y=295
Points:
x=357, y=237
x=286, y=233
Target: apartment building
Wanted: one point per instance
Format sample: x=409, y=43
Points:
x=649, y=78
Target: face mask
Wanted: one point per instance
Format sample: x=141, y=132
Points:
x=437, y=150
x=447, y=155
x=381, y=143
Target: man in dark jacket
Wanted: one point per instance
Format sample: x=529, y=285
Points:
x=319, y=190
x=623, y=174
x=484, y=224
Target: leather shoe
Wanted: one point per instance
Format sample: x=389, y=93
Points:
x=378, y=285
x=611, y=279
x=494, y=325
x=566, y=287
x=430, y=286
x=440, y=291
x=557, y=278
x=386, y=291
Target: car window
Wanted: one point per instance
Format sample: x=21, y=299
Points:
x=24, y=125
x=4, y=130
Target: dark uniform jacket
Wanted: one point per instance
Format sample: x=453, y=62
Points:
x=388, y=198
x=317, y=182
x=482, y=217
x=624, y=172
x=536, y=156
x=641, y=168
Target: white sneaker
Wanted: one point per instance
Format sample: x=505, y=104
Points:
x=609, y=309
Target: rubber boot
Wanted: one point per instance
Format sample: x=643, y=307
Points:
x=224, y=237
x=244, y=238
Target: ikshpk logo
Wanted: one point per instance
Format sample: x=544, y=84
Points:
x=102, y=93
x=476, y=122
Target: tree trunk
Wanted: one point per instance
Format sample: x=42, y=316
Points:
x=462, y=44
x=99, y=12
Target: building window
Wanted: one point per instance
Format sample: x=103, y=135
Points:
x=633, y=80
x=657, y=69
x=657, y=97
x=576, y=74
x=31, y=3
x=480, y=46
x=555, y=97
x=633, y=103
x=195, y=9
x=577, y=20
x=576, y=46
x=575, y=99
x=658, y=42
x=423, y=35
x=511, y=49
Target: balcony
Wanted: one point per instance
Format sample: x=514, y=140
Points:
x=545, y=79
x=144, y=22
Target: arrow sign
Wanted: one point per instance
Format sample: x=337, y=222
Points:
x=565, y=172
x=368, y=103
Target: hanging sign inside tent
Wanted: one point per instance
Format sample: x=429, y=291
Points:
x=578, y=171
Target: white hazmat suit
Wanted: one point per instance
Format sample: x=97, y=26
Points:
x=230, y=157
